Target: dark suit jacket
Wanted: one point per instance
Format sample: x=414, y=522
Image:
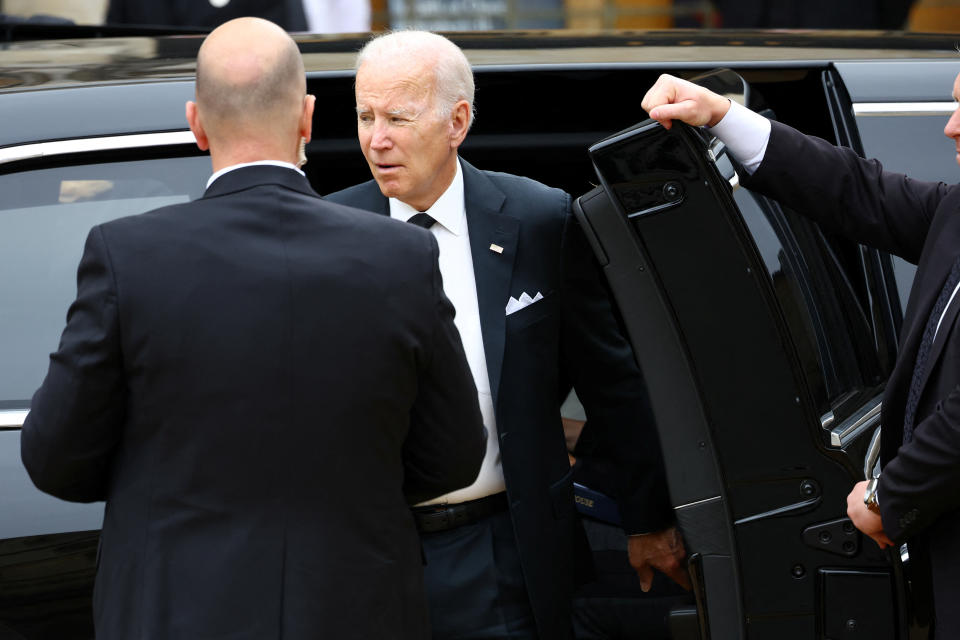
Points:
x=258, y=383
x=570, y=336
x=200, y=13
x=919, y=221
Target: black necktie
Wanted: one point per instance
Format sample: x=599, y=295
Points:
x=421, y=219
x=919, y=368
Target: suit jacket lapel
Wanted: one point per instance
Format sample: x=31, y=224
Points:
x=936, y=349
x=942, y=259
x=492, y=269
x=367, y=196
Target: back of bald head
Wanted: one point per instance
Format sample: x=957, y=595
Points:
x=250, y=80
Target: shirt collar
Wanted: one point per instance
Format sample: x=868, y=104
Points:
x=448, y=210
x=272, y=163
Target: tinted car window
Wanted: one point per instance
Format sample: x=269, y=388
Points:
x=915, y=145
x=816, y=295
x=45, y=215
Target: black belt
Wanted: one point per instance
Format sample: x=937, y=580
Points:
x=441, y=517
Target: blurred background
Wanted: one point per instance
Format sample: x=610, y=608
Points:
x=338, y=16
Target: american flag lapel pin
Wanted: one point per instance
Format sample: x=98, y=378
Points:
x=496, y=248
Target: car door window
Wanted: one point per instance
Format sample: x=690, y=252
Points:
x=911, y=143
x=45, y=216
x=46, y=213
x=900, y=123
x=818, y=295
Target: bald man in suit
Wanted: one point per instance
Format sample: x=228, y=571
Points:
x=258, y=383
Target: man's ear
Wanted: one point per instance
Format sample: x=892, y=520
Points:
x=459, y=123
x=193, y=119
x=306, y=117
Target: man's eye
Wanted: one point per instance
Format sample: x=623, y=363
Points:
x=364, y=118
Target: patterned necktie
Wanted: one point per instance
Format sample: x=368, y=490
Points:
x=920, y=366
x=421, y=219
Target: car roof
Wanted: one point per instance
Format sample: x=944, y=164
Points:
x=81, y=87
x=44, y=64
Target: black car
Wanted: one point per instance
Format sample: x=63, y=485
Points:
x=765, y=342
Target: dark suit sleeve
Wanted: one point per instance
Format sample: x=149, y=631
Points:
x=921, y=482
x=599, y=362
x=846, y=194
x=447, y=440
x=76, y=416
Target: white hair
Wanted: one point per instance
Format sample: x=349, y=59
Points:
x=453, y=77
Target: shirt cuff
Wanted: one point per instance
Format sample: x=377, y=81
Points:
x=745, y=134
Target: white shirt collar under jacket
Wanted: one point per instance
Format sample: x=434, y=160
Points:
x=270, y=163
x=448, y=210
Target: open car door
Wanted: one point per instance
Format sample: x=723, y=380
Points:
x=765, y=379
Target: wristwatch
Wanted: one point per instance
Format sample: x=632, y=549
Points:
x=870, y=495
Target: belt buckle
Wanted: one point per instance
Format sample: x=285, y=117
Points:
x=437, y=518
x=442, y=518
x=459, y=516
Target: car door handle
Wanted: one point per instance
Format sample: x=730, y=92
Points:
x=871, y=461
x=12, y=418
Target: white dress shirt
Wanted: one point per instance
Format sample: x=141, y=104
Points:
x=268, y=163
x=745, y=133
x=456, y=267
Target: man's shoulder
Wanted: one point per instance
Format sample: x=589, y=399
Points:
x=367, y=205
x=145, y=219
x=513, y=182
x=185, y=216
x=366, y=196
x=521, y=192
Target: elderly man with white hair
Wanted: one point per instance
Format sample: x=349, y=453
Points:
x=534, y=318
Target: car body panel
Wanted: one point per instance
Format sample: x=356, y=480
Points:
x=94, y=112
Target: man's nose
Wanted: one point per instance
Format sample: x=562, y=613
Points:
x=952, y=129
x=381, y=137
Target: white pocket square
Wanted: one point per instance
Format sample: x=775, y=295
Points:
x=514, y=305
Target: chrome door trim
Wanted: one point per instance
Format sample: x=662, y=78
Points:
x=827, y=420
x=796, y=507
x=104, y=143
x=13, y=419
x=841, y=435
x=904, y=108
x=697, y=502
x=871, y=461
